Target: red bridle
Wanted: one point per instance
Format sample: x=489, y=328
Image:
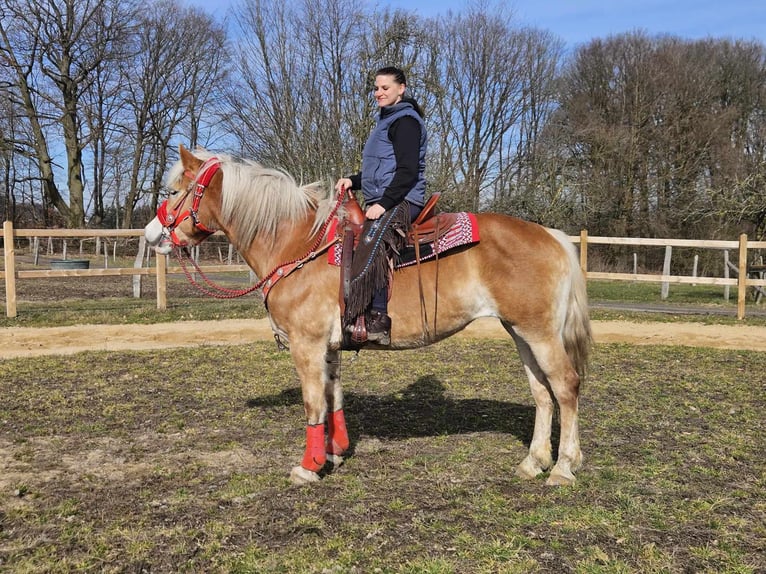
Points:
x=172, y=218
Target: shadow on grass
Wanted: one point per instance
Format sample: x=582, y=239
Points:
x=422, y=409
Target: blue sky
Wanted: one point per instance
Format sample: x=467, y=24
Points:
x=578, y=21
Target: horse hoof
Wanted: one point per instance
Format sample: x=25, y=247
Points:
x=560, y=478
x=528, y=470
x=300, y=475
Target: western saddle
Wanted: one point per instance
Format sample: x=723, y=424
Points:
x=427, y=228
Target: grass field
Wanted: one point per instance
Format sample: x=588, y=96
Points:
x=178, y=461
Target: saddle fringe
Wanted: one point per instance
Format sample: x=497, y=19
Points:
x=382, y=239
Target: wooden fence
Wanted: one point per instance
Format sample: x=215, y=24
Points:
x=747, y=276
x=140, y=267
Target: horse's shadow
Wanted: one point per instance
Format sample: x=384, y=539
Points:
x=421, y=410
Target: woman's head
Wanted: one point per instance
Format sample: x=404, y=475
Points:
x=390, y=84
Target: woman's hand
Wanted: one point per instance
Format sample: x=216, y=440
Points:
x=374, y=211
x=343, y=183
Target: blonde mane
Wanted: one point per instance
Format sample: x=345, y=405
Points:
x=255, y=199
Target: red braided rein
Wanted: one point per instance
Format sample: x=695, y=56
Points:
x=219, y=292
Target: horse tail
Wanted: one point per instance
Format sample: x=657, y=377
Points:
x=576, y=330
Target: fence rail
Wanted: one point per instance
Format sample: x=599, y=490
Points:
x=747, y=276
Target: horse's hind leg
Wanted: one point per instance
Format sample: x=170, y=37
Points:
x=539, y=458
x=551, y=376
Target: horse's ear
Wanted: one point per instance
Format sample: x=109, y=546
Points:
x=189, y=161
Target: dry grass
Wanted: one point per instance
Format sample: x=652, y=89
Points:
x=178, y=461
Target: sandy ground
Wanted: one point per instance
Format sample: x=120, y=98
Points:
x=28, y=342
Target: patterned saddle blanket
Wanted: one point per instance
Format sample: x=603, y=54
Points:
x=464, y=231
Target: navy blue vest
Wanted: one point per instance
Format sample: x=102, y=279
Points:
x=379, y=162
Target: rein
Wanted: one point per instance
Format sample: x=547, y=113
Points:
x=270, y=279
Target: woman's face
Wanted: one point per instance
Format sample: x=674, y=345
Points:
x=387, y=90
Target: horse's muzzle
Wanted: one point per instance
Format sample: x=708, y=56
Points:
x=157, y=237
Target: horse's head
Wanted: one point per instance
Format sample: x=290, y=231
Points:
x=184, y=219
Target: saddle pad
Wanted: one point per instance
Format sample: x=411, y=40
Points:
x=464, y=232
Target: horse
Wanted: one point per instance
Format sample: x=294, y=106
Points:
x=526, y=275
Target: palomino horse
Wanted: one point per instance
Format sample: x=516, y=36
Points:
x=525, y=275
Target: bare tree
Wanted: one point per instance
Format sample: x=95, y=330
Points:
x=608, y=106
x=104, y=113
x=530, y=183
x=482, y=69
x=731, y=199
x=665, y=136
x=8, y=161
x=298, y=80
x=166, y=86
x=53, y=48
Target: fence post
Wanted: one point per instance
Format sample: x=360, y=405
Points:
x=162, y=282
x=694, y=268
x=584, y=251
x=726, y=273
x=666, y=271
x=10, y=269
x=742, y=277
x=138, y=263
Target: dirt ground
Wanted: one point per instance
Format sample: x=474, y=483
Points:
x=118, y=466
x=27, y=342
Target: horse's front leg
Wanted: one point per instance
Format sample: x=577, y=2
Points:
x=337, y=434
x=318, y=372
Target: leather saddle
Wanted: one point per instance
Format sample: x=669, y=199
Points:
x=427, y=228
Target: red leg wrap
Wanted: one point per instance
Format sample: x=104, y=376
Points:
x=337, y=434
x=314, y=457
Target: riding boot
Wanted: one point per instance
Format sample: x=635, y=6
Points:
x=379, y=328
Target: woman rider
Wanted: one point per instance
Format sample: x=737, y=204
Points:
x=393, y=184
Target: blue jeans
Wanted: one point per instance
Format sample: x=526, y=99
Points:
x=380, y=297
